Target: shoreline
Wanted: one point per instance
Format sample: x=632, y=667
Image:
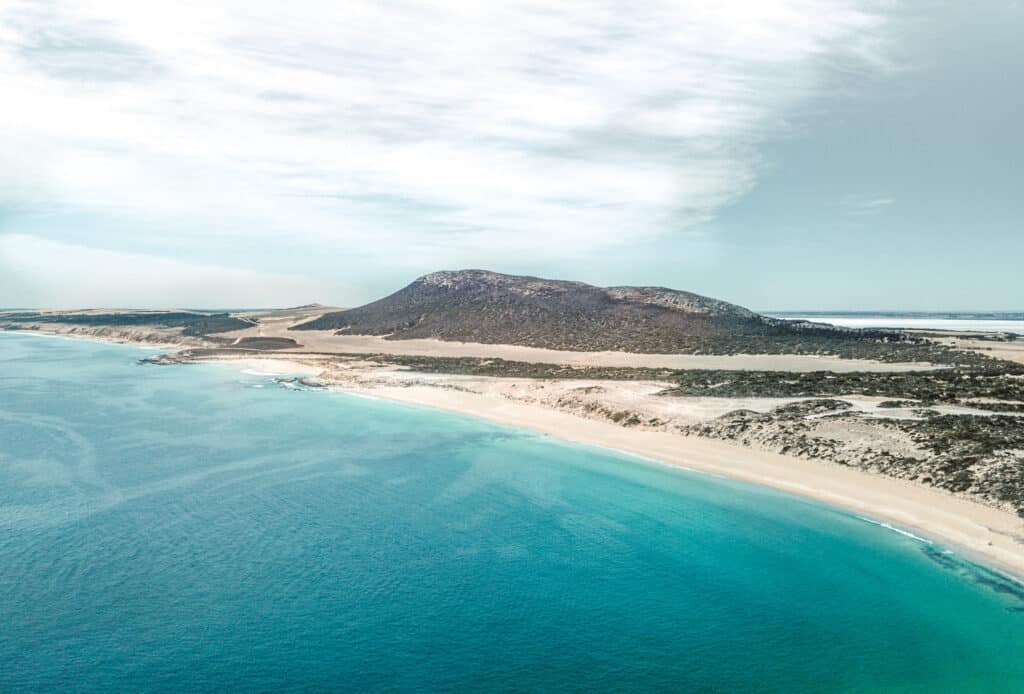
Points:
x=981, y=534
x=109, y=340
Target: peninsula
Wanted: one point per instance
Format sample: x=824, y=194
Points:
x=921, y=429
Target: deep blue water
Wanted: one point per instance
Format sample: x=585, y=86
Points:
x=198, y=528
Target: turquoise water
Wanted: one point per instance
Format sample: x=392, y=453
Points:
x=199, y=528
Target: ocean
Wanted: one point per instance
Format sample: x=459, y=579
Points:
x=994, y=322
x=199, y=528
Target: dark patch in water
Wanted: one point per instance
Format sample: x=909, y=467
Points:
x=979, y=575
x=944, y=560
x=999, y=583
x=297, y=383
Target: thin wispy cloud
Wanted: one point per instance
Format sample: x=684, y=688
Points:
x=431, y=130
x=861, y=205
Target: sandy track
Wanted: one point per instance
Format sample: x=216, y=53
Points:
x=328, y=342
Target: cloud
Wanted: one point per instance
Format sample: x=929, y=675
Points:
x=83, y=50
x=51, y=274
x=415, y=130
x=860, y=205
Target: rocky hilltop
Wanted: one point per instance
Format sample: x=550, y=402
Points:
x=488, y=307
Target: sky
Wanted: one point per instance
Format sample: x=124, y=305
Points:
x=780, y=154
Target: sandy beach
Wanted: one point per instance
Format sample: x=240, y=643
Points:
x=577, y=411
x=983, y=533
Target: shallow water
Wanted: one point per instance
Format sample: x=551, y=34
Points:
x=171, y=528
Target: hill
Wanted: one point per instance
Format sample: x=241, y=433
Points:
x=488, y=307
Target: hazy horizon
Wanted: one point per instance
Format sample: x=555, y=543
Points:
x=802, y=155
x=783, y=312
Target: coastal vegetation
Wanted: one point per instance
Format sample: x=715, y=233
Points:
x=992, y=379
x=1001, y=381
x=979, y=456
x=193, y=323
